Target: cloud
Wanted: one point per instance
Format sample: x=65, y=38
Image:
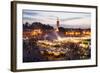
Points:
x=67, y=19
x=27, y=12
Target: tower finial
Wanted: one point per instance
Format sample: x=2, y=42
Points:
x=57, y=18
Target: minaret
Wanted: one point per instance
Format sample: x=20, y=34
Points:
x=57, y=24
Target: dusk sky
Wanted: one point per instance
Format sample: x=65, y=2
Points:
x=67, y=19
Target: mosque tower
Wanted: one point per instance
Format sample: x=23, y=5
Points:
x=57, y=24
